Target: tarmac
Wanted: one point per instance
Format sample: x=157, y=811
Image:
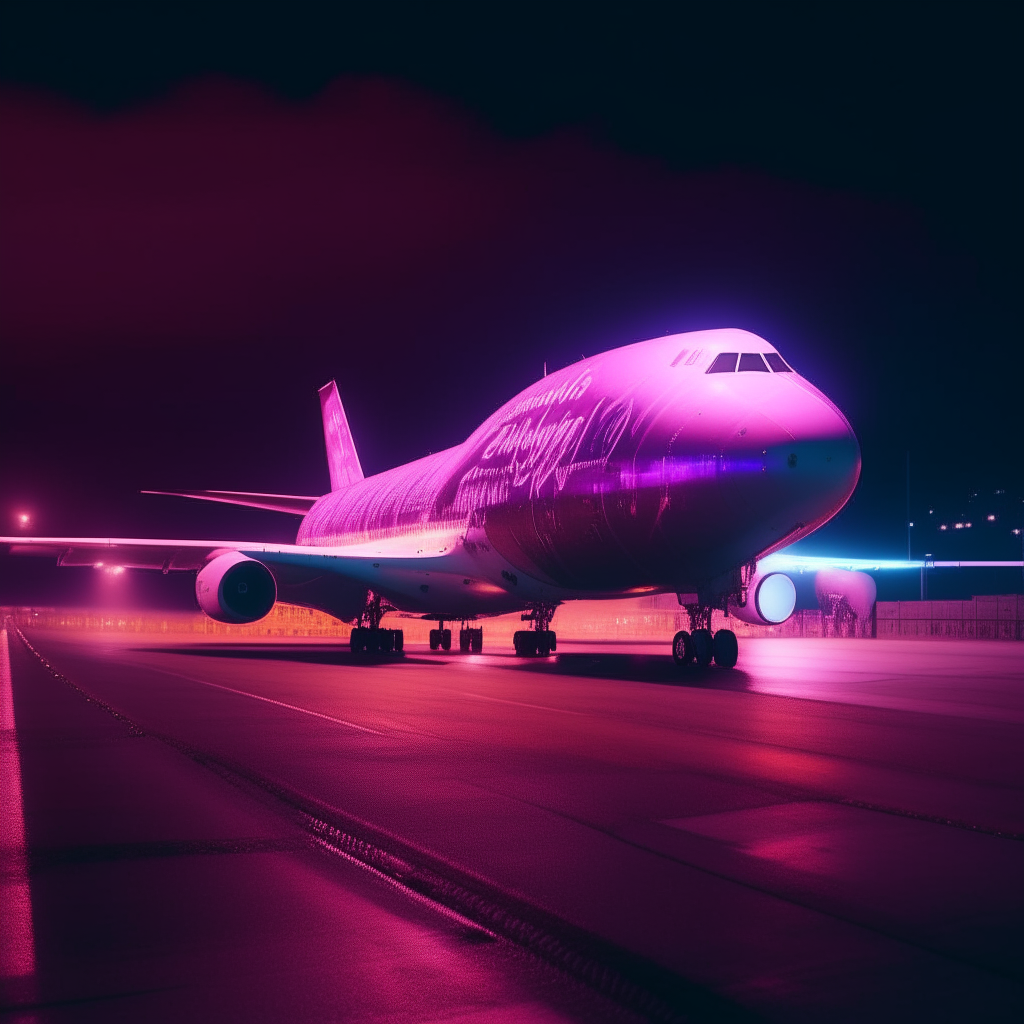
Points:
x=834, y=830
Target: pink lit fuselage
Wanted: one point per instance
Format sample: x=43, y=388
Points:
x=633, y=471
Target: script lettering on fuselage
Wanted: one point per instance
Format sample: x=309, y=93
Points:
x=542, y=438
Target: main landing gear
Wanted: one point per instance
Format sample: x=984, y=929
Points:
x=368, y=637
x=471, y=640
x=539, y=641
x=701, y=646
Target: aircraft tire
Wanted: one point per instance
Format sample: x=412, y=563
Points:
x=525, y=642
x=446, y=639
x=464, y=640
x=726, y=649
x=476, y=641
x=435, y=639
x=399, y=643
x=682, y=648
x=703, y=647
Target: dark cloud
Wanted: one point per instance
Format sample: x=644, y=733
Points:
x=178, y=276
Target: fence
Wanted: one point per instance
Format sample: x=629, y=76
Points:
x=982, y=618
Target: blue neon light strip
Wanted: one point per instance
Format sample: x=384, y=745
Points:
x=783, y=561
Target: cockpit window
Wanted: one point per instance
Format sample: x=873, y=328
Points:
x=777, y=363
x=725, y=362
x=752, y=361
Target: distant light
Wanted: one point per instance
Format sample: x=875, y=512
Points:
x=991, y=519
x=958, y=526
x=931, y=511
x=98, y=565
x=24, y=520
x=910, y=524
x=943, y=527
x=115, y=570
x=1016, y=533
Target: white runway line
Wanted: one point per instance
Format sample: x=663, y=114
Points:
x=17, y=942
x=267, y=700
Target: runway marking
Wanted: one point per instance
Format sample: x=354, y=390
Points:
x=521, y=704
x=267, y=700
x=17, y=941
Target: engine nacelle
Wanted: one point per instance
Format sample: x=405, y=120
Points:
x=771, y=599
x=831, y=586
x=236, y=589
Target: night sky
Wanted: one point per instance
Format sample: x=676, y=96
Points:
x=208, y=211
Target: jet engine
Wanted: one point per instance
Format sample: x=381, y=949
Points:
x=234, y=588
x=771, y=598
x=846, y=600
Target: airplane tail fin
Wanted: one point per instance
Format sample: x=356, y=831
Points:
x=342, y=460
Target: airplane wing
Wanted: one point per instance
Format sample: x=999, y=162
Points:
x=189, y=555
x=403, y=569
x=295, y=504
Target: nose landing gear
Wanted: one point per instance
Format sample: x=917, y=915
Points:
x=701, y=646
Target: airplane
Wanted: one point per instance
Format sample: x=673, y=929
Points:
x=673, y=465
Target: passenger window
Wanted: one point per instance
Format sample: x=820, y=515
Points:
x=725, y=362
x=752, y=361
x=777, y=363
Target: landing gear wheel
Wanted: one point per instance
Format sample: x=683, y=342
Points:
x=725, y=647
x=530, y=643
x=364, y=640
x=682, y=648
x=525, y=643
x=446, y=639
x=435, y=639
x=703, y=647
x=471, y=641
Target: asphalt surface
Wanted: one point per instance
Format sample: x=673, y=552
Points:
x=832, y=831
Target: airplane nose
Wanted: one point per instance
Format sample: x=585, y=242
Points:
x=821, y=456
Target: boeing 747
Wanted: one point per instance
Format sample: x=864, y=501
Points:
x=668, y=466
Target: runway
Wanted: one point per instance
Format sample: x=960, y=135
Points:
x=832, y=831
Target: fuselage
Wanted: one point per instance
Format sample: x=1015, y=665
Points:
x=633, y=471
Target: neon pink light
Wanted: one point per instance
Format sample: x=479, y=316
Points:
x=17, y=942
